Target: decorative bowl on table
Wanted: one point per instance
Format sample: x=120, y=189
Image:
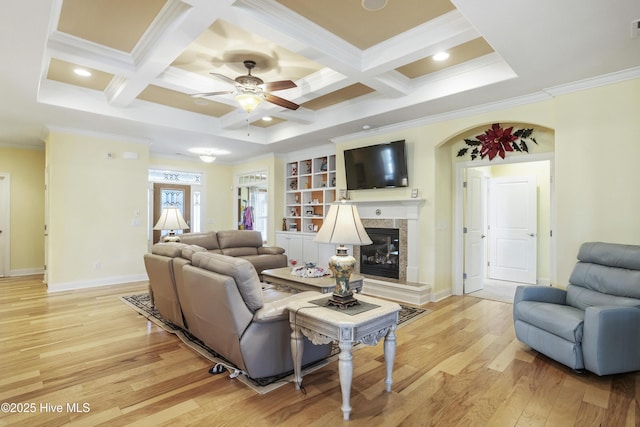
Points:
x=309, y=270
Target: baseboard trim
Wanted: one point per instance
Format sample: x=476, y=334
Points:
x=107, y=281
x=26, y=272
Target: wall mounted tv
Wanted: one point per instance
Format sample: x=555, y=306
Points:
x=376, y=166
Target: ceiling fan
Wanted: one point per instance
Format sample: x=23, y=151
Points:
x=251, y=90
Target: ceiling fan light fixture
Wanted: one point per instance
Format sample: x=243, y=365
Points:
x=208, y=159
x=248, y=101
x=373, y=5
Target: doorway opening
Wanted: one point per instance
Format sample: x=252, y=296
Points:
x=483, y=237
x=253, y=202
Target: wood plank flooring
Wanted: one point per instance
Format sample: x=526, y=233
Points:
x=84, y=358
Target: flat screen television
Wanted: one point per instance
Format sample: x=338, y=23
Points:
x=376, y=166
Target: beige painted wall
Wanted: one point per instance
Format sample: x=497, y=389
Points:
x=26, y=167
x=93, y=202
x=597, y=169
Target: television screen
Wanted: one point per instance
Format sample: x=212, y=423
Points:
x=376, y=166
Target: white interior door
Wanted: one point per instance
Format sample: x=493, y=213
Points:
x=4, y=225
x=513, y=229
x=475, y=231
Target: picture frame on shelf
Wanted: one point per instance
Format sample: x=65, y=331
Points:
x=308, y=211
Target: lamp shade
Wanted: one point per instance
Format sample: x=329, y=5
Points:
x=342, y=226
x=171, y=219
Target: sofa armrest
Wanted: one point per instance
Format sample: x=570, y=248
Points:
x=270, y=250
x=540, y=294
x=274, y=311
x=611, y=343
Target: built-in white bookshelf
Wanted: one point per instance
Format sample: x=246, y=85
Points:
x=310, y=187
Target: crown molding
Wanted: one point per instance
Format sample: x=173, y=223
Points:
x=619, y=76
x=96, y=134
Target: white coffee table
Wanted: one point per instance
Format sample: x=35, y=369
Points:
x=282, y=277
x=323, y=325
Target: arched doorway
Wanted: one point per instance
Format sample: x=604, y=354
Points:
x=519, y=164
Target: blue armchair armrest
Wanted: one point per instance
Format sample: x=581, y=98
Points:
x=540, y=294
x=611, y=343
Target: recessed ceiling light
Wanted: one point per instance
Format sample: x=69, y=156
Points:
x=441, y=56
x=366, y=127
x=267, y=118
x=82, y=72
x=373, y=5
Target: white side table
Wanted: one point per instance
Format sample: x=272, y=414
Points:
x=323, y=325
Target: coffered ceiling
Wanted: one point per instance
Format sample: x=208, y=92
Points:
x=352, y=67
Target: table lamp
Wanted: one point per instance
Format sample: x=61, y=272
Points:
x=342, y=226
x=171, y=219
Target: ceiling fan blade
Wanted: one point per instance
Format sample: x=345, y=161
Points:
x=225, y=78
x=280, y=101
x=279, y=85
x=202, y=95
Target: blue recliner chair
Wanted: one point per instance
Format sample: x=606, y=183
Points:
x=595, y=323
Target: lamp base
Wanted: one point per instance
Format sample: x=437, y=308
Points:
x=342, y=301
x=341, y=265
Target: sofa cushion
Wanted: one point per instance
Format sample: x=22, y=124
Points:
x=241, y=270
x=207, y=240
x=264, y=262
x=170, y=249
x=239, y=239
x=270, y=250
x=561, y=320
x=190, y=250
x=240, y=251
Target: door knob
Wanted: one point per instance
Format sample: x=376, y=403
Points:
x=531, y=234
x=482, y=236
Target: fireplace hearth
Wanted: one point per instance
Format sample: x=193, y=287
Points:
x=382, y=257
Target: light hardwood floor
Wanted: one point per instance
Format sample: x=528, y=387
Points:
x=459, y=365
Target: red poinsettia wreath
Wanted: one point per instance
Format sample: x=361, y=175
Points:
x=497, y=141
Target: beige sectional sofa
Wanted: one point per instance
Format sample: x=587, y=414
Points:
x=239, y=243
x=220, y=300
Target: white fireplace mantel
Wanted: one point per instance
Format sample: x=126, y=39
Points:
x=391, y=209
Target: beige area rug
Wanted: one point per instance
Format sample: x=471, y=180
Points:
x=142, y=304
